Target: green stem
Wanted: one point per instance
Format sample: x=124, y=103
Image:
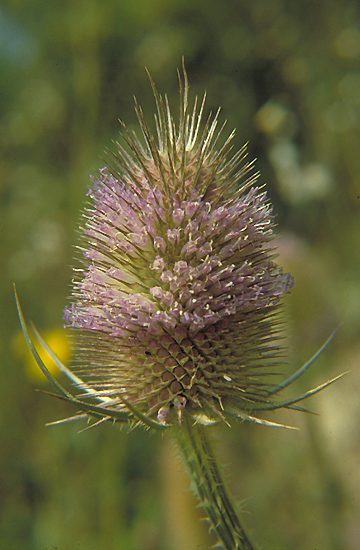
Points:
x=195, y=446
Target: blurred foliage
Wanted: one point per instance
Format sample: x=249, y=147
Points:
x=287, y=75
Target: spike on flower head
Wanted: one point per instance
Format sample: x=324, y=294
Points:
x=176, y=304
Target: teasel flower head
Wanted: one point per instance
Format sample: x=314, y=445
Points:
x=176, y=304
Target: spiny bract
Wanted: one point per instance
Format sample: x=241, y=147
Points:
x=176, y=303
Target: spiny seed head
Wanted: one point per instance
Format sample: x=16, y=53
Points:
x=176, y=303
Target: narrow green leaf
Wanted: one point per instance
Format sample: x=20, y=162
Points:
x=299, y=372
x=35, y=354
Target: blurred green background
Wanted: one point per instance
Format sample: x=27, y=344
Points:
x=287, y=75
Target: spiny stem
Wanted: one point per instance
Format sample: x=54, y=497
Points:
x=195, y=446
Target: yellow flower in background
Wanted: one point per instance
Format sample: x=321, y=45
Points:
x=58, y=343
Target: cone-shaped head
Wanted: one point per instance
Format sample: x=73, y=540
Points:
x=176, y=303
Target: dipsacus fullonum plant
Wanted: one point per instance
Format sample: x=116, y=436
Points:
x=174, y=311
